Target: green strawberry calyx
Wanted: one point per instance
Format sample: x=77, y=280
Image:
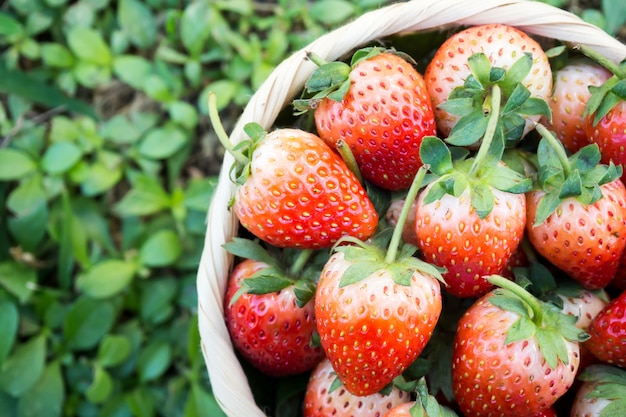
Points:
x=537, y=319
x=609, y=382
x=472, y=101
x=332, y=79
x=385, y=252
x=452, y=172
x=608, y=95
x=285, y=268
x=578, y=176
x=241, y=152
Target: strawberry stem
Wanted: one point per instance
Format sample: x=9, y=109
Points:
x=392, y=251
x=520, y=292
x=218, y=127
x=300, y=261
x=316, y=59
x=602, y=60
x=556, y=145
x=348, y=157
x=489, y=131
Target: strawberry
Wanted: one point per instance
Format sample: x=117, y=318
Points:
x=379, y=107
x=576, y=215
x=602, y=393
x=325, y=396
x=607, y=332
x=569, y=98
x=548, y=412
x=471, y=218
x=605, y=113
x=294, y=190
x=521, y=69
x=376, y=309
x=270, y=316
x=514, y=355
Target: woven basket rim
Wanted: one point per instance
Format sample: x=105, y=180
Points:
x=228, y=381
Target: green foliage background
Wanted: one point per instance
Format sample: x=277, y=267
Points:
x=107, y=167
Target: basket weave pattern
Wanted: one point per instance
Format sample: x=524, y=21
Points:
x=228, y=380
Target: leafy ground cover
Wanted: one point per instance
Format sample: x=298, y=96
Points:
x=107, y=166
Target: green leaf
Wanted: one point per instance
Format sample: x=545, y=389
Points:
x=37, y=91
x=469, y=129
x=9, y=321
x=140, y=402
x=330, y=75
x=146, y=197
x=113, y=350
x=435, y=154
x=615, y=13
x=358, y=271
x=154, y=361
x=29, y=228
x=132, y=69
x=572, y=186
x=60, y=157
x=547, y=205
x=480, y=67
x=184, y=114
x=614, y=408
x=331, y=12
x=161, y=249
x=267, y=280
x=156, y=88
x=89, y=46
x=202, y=404
x=27, y=196
x=101, y=387
x=224, y=90
x=14, y=164
x=47, y=396
x=162, y=142
x=137, y=22
x=249, y=249
x=99, y=178
x=157, y=300
x=195, y=27
x=56, y=55
x=18, y=279
x=9, y=26
x=87, y=321
x=24, y=367
x=107, y=278
x=522, y=329
x=482, y=199
x=516, y=74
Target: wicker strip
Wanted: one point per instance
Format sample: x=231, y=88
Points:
x=228, y=380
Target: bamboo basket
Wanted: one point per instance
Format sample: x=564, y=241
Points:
x=229, y=382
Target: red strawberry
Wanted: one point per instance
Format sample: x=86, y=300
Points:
x=325, y=396
x=294, y=190
x=607, y=333
x=602, y=393
x=376, y=309
x=269, y=324
x=514, y=53
x=513, y=355
x=605, y=113
x=576, y=218
x=381, y=110
x=609, y=133
x=548, y=412
x=569, y=98
x=471, y=219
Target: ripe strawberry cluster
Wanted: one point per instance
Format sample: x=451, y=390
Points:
x=471, y=220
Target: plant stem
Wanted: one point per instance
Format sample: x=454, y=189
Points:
x=301, y=260
x=348, y=157
x=556, y=145
x=602, y=60
x=221, y=132
x=492, y=124
x=526, y=296
x=392, y=251
x=316, y=59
